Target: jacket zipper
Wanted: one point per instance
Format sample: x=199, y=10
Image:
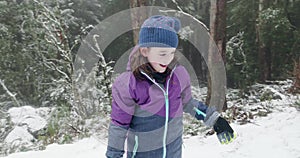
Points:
x=166, y=95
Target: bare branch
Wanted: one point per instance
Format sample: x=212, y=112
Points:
x=13, y=96
x=186, y=14
x=90, y=46
x=231, y=1
x=177, y=5
x=75, y=129
x=48, y=11
x=52, y=66
x=99, y=52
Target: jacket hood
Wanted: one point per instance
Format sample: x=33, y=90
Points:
x=133, y=51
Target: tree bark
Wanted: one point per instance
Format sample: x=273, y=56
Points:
x=261, y=52
x=295, y=49
x=296, y=73
x=218, y=34
x=138, y=16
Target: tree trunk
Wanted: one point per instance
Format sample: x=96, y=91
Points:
x=295, y=51
x=296, y=73
x=137, y=17
x=261, y=52
x=218, y=34
x=264, y=46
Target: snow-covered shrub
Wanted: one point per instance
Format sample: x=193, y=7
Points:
x=62, y=128
x=20, y=128
x=192, y=126
x=297, y=104
x=5, y=127
x=268, y=94
x=258, y=101
x=237, y=65
x=98, y=125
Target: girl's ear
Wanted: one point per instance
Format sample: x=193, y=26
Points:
x=144, y=51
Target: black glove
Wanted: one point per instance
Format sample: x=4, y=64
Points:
x=224, y=132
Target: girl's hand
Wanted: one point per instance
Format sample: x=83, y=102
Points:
x=224, y=132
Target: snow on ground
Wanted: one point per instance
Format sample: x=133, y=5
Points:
x=29, y=117
x=275, y=136
x=27, y=121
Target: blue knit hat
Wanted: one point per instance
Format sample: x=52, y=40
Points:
x=159, y=31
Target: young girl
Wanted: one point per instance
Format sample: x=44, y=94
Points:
x=150, y=98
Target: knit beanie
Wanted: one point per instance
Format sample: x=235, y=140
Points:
x=159, y=31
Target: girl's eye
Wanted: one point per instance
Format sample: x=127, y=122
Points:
x=164, y=54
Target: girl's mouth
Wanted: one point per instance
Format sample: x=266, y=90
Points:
x=163, y=65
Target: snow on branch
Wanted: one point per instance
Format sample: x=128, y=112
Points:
x=13, y=96
x=177, y=5
x=231, y=1
x=99, y=52
x=185, y=14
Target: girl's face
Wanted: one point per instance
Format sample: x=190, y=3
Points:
x=159, y=57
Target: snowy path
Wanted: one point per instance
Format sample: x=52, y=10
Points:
x=275, y=136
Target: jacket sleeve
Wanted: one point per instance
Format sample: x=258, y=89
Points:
x=123, y=106
x=191, y=105
x=210, y=112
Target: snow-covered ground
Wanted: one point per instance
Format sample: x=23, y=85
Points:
x=275, y=136
x=266, y=121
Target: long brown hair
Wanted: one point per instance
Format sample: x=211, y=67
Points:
x=140, y=63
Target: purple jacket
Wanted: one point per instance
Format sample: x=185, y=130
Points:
x=149, y=115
